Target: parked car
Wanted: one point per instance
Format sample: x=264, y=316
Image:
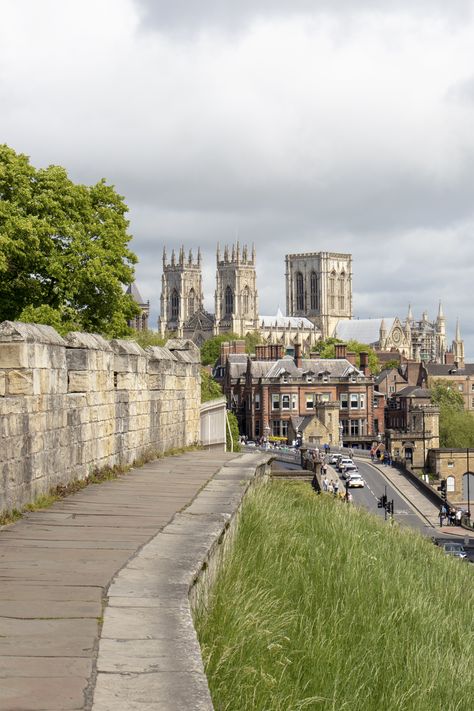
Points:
x=250, y=443
x=333, y=458
x=454, y=549
x=355, y=481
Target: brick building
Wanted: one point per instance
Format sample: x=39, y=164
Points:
x=284, y=396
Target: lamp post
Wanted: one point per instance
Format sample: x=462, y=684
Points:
x=468, y=486
x=341, y=429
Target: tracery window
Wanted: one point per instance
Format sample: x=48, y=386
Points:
x=245, y=301
x=314, y=291
x=174, y=305
x=299, y=292
x=191, y=302
x=332, y=290
x=341, y=291
x=229, y=301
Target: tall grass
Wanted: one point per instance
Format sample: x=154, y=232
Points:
x=322, y=606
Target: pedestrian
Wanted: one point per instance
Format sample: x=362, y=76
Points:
x=458, y=517
x=349, y=497
x=351, y=453
x=336, y=488
x=331, y=487
x=442, y=515
x=325, y=483
x=372, y=455
x=452, y=517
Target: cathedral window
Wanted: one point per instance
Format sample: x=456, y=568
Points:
x=341, y=291
x=174, y=305
x=314, y=291
x=245, y=301
x=191, y=302
x=229, y=301
x=299, y=292
x=332, y=290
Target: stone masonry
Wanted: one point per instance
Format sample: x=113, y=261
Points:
x=71, y=405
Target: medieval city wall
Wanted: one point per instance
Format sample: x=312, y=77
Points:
x=71, y=405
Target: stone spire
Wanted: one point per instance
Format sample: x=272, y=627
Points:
x=190, y=257
x=164, y=256
x=440, y=312
x=458, y=331
x=410, y=314
x=199, y=255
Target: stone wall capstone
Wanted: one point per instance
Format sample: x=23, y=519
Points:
x=71, y=405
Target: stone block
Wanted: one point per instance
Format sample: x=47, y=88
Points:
x=14, y=355
x=20, y=382
x=3, y=384
x=79, y=381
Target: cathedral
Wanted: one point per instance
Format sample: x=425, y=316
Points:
x=318, y=305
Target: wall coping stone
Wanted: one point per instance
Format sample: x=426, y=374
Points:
x=121, y=346
x=170, y=575
x=29, y=332
x=93, y=341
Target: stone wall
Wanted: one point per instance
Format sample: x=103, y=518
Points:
x=71, y=405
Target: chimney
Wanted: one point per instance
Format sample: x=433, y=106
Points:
x=364, y=362
x=341, y=350
x=225, y=350
x=352, y=358
x=239, y=347
x=298, y=359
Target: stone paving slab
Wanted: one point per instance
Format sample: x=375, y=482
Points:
x=55, y=567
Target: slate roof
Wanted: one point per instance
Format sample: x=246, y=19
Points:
x=441, y=369
x=364, y=330
x=334, y=367
x=200, y=319
x=136, y=296
x=413, y=391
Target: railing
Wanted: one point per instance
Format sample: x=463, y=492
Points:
x=213, y=424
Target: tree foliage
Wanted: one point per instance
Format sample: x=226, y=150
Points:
x=327, y=349
x=232, y=437
x=210, y=389
x=211, y=349
x=148, y=338
x=456, y=426
x=64, y=256
x=252, y=339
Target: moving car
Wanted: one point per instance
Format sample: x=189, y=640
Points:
x=333, y=458
x=454, y=549
x=355, y=480
x=345, y=464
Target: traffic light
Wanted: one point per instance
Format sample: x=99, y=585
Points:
x=443, y=489
x=382, y=502
x=390, y=507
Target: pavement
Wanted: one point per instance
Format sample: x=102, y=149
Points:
x=55, y=568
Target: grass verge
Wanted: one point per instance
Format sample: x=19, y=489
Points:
x=322, y=606
x=97, y=476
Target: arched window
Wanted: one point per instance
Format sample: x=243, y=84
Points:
x=174, y=305
x=191, y=302
x=341, y=290
x=299, y=292
x=332, y=290
x=229, y=301
x=245, y=301
x=314, y=291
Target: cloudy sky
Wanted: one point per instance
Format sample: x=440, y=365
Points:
x=310, y=125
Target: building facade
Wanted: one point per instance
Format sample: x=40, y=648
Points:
x=140, y=322
x=236, y=296
x=319, y=287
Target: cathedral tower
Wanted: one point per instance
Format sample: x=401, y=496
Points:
x=319, y=286
x=181, y=291
x=236, y=297
x=458, y=347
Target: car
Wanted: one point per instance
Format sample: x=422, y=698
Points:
x=454, y=549
x=355, y=481
x=250, y=443
x=345, y=464
x=333, y=458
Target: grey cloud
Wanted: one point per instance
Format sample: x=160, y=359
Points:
x=461, y=92
x=191, y=16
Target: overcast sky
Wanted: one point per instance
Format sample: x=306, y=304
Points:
x=293, y=125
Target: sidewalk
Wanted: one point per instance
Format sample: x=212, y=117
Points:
x=56, y=565
x=425, y=508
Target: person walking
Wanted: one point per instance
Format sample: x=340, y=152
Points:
x=442, y=515
x=336, y=487
x=458, y=517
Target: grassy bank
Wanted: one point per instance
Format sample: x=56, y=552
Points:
x=322, y=606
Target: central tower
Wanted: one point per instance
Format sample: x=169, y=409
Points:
x=319, y=286
x=181, y=291
x=236, y=297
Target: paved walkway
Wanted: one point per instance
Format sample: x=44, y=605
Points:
x=56, y=565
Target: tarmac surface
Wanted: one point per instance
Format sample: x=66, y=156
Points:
x=56, y=565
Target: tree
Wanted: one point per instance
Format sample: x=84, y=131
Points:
x=327, y=349
x=148, y=338
x=232, y=437
x=64, y=256
x=456, y=426
x=252, y=339
x=211, y=349
x=210, y=389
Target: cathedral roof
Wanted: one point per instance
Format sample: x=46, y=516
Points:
x=200, y=320
x=281, y=321
x=363, y=330
x=136, y=296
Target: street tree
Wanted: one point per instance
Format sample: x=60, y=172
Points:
x=327, y=349
x=64, y=255
x=456, y=425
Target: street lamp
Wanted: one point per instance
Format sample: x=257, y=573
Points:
x=341, y=429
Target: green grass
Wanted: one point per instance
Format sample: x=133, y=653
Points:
x=322, y=606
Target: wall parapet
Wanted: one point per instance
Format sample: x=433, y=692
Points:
x=71, y=405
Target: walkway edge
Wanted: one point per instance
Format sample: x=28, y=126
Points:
x=149, y=655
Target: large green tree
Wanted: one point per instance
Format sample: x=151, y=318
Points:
x=64, y=256
x=456, y=426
